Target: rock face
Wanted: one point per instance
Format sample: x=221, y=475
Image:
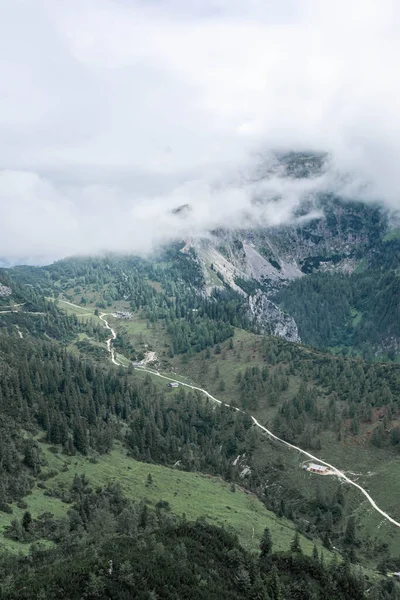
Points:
x=270, y=319
x=5, y=290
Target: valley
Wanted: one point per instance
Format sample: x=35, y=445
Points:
x=228, y=366
x=333, y=470
x=90, y=349
x=199, y=300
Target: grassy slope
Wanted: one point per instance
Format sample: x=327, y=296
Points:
x=392, y=235
x=375, y=469
x=194, y=494
x=37, y=503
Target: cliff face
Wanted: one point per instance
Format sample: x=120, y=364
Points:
x=327, y=234
x=270, y=319
x=258, y=263
x=338, y=241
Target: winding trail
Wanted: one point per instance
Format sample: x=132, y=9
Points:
x=12, y=306
x=336, y=471
x=110, y=339
x=72, y=304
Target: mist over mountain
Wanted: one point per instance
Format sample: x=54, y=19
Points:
x=137, y=108
x=278, y=190
x=199, y=300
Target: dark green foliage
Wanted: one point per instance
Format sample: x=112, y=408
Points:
x=295, y=545
x=194, y=322
x=37, y=316
x=265, y=543
x=259, y=388
x=350, y=533
x=110, y=548
x=188, y=430
x=321, y=306
x=197, y=333
x=82, y=407
x=359, y=311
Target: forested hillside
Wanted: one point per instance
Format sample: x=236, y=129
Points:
x=357, y=313
x=111, y=548
x=343, y=297
x=60, y=393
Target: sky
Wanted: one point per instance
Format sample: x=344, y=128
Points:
x=113, y=112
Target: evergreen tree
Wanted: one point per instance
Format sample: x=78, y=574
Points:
x=26, y=520
x=266, y=543
x=295, y=544
x=315, y=554
x=350, y=532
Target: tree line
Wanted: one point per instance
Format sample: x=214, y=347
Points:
x=111, y=548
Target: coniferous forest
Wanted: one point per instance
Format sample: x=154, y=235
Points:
x=60, y=392
x=199, y=300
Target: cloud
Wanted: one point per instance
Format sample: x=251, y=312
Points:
x=112, y=112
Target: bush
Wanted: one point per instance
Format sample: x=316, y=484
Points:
x=4, y=507
x=44, y=476
x=163, y=504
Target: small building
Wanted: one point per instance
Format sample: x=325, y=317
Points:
x=320, y=469
x=173, y=384
x=122, y=314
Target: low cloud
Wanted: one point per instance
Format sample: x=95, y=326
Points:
x=112, y=113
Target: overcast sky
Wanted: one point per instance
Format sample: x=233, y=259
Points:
x=112, y=112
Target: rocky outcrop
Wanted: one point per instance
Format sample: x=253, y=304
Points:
x=5, y=290
x=270, y=319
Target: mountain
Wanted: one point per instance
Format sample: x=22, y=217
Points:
x=76, y=519
x=100, y=460
x=329, y=279
x=330, y=406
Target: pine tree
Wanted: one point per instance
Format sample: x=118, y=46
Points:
x=274, y=585
x=350, y=532
x=265, y=543
x=26, y=520
x=31, y=457
x=315, y=554
x=80, y=437
x=295, y=544
x=327, y=541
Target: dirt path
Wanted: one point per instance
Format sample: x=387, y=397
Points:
x=335, y=471
x=12, y=306
x=21, y=312
x=71, y=304
x=110, y=340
